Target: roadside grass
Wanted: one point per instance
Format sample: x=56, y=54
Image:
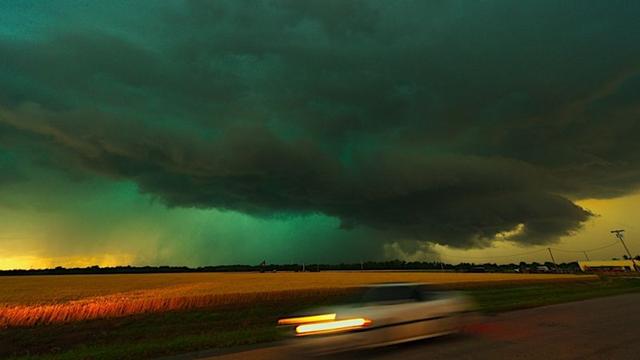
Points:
x=505, y=298
x=161, y=334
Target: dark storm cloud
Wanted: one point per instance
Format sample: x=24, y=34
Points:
x=9, y=169
x=447, y=122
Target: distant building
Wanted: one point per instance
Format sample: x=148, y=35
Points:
x=543, y=269
x=610, y=265
x=478, y=269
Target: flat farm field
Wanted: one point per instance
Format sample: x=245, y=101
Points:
x=50, y=299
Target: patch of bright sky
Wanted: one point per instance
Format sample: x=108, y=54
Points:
x=620, y=213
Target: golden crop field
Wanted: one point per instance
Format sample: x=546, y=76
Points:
x=31, y=300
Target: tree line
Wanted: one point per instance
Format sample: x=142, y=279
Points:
x=266, y=267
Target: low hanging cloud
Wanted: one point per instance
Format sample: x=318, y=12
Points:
x=447, y=123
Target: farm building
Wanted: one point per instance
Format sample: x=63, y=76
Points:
x=610, y=265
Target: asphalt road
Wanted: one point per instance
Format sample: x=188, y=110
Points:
x=605, y=328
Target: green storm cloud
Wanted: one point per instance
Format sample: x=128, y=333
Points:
x=359, y=123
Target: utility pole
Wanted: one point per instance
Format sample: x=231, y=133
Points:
x=620, y=235
x=302, y=267
x=585, y=255
x=361, y=265
x=553, y=259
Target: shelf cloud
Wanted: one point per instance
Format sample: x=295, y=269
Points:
x=440, y=122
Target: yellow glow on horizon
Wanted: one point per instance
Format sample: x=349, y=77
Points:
x=22, y=262
x=41, y=262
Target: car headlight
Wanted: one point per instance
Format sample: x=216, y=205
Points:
x=307, y=319
x=332, y=326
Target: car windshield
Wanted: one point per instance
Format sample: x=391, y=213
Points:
x=392, y=294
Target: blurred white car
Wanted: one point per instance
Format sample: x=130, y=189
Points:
x=385, y=314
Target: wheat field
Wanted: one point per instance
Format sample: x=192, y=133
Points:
x=39, y=300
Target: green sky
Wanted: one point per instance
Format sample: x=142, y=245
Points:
x=198, y=133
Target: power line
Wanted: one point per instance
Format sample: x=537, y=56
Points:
x=587, y=250
x=533, y=252
x=553, y=260
x=620, y=235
